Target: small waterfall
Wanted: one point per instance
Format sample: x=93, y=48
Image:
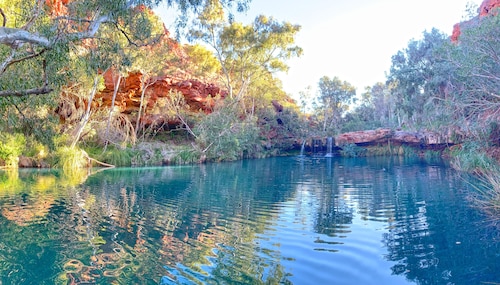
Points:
x=302, y=148
x=329, y=147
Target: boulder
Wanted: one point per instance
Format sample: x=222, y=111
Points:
x=26, y=162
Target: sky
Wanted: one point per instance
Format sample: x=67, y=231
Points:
x=353, y=40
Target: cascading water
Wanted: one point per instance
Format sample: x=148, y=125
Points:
x=329, y=147
x=302, y=148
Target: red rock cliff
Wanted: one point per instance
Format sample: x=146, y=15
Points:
x=196, y=93
x=488, y=7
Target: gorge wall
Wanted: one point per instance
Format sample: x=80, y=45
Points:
x=487, y=8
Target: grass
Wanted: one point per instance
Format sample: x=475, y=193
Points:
x=70, y=159
x=186, y=155
x=117, y=157
x=487, y=196
x=471, y=158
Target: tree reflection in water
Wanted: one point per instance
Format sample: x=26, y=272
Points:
x=249, y=222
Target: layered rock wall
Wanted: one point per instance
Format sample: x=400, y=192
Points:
x=198, y=95
x=422, y=139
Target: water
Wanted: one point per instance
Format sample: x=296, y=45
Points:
x=329, y=147
x=297, y=220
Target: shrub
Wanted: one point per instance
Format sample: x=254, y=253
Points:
x=352, y=150
x=488, y=192
x=117, y=157
x=470, y=157
x=224, y=136
x=70, y=159
x=11, y=147
x=186, y=155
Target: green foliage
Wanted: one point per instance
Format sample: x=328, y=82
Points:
x=11, y=147
x=280, y=130
x=419, y=76
x=117, y=157
x=40, y=60
x=471, y=157
x=488, y=192
x=334, y=101
x=186, y=155
x=246, y=52
x=352, y=150
x=203, y=63
x=30, y=115
x=70, y=159
x=477, y=69
x=376, y=110
x=380, y=150
x=224, y=136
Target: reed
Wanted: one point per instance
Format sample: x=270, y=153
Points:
x=70, y=159
x=487, y=196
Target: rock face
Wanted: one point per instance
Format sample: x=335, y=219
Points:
x=487, y=8
x=422, y=139
x=198, y=95
x=57, y=7
x=364, y=137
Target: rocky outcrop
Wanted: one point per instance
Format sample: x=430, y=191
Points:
x=198, y=94
x=487, y=8
x=422, y=139
x=364, y=137
x=57, y=7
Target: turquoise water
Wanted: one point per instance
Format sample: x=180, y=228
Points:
x=295, y=220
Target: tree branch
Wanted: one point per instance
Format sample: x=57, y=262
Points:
x=35, y=13
x=33, y=91
x=10, y=36
x=93, y=28
x=11, y=61
x=4, y=18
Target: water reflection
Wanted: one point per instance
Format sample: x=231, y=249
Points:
x=276, y=221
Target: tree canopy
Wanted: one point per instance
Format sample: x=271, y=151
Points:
x=38, y=37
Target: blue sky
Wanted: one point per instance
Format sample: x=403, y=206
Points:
x=353, y=40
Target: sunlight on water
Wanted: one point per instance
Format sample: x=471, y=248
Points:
x=298, y=220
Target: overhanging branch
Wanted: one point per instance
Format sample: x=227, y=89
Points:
x=11, y=36
x=33, y=91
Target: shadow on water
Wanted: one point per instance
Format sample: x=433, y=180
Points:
x=300, y=220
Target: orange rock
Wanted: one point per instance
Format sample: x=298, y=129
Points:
x=198, y=95
x=488, y=7
x=456, y=33
x=57, y=7
x=361, y=137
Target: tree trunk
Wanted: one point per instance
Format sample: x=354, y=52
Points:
x=87, y=112
x=117, y=85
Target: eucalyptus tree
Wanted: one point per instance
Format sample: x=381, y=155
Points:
x=249, y=56
x=476, y=62
x=335, y=98
x=419, y=77
x=246, y=51
x=37, y=36
x=55, y=47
